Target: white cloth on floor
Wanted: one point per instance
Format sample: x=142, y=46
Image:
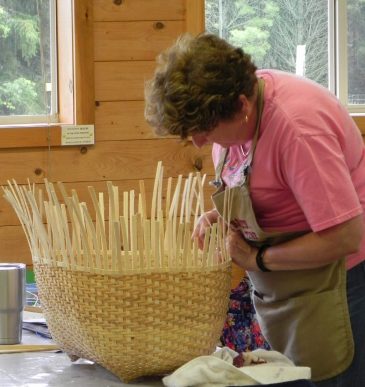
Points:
x=218, y=370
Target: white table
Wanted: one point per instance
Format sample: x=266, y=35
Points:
x=41, y=369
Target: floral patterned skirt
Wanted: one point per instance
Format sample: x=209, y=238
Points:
x=241, y=331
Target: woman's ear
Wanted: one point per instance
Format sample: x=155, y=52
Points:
x=245, y=104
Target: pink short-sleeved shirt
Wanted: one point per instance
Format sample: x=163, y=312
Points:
x=308, y=171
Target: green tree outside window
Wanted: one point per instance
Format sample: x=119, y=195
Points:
x=24, y=57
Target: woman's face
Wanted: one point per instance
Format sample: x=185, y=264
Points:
x=235, y=131
x=227, y=133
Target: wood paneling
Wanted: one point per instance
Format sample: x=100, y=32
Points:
x=31, y=136
x=360, y=122
x=113, y=39
x=83, y=63
x=121, y=120
x=118, y=120
x=14, y=245
x=112, y=160
x=65, y=60
x=107, y=10
x=118, y=81
x=195, y=18
x=75, y=61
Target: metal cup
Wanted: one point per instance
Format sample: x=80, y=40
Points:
x=12, y=301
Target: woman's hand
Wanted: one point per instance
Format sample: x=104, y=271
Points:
x=205, y=220
x=240, y=251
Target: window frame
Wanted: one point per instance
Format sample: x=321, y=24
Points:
x=75, y=60
x=341, y=90
x=338, y=22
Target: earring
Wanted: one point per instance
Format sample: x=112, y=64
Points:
x=246, y=118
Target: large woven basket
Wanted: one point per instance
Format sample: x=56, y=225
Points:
x=138, y=324
x=132, y=293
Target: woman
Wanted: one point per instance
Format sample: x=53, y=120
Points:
x=293, y=161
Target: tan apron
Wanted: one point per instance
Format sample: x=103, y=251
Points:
x=302, y=313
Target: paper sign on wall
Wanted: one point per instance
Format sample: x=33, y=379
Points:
x=77, y=135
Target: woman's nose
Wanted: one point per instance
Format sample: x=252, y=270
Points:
x=199, y=139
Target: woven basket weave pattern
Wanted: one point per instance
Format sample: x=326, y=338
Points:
x=135, y=325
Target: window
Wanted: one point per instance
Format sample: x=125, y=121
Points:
x=74, y=101
x=28, y=87
x=323, y=40
x=351, y=54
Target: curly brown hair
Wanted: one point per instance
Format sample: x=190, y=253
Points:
x=197, y=83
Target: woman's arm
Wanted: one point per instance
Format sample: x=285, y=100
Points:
x=309, y=251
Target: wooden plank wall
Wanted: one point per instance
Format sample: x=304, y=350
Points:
x=127, y=36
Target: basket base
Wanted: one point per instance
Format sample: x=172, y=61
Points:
x=72, y=357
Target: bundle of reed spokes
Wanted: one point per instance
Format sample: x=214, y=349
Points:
x=123, y=285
